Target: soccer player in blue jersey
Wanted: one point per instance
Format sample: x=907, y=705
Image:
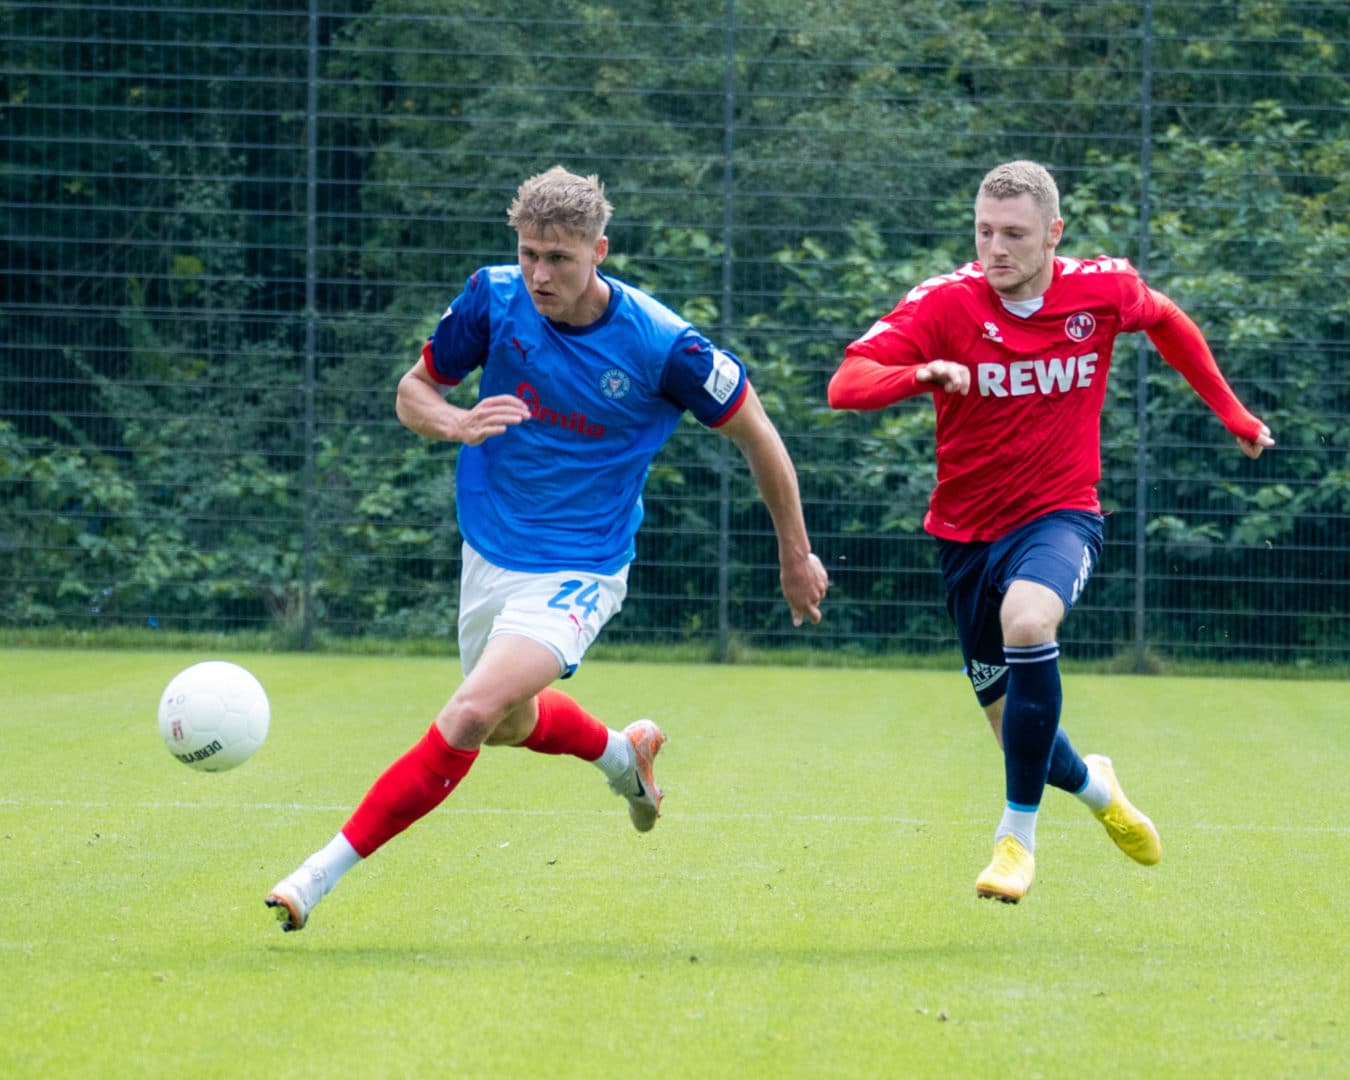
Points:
x=583, y=380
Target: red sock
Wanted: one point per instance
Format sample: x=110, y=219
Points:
x=410, y=788
x=564, y=727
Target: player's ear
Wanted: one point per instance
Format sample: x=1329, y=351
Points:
x=601, y=249
x=1056, y=232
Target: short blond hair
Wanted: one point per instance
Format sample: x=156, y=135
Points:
x=561, y=199
x=1014, y=178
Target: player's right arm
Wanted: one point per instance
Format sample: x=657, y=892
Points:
x=887, y=365
x=458, y=345
x=422, y=407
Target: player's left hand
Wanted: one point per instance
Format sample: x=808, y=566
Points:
x=804, y=586
x=1253, y=447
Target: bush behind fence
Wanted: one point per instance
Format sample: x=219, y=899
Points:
x=229, y=229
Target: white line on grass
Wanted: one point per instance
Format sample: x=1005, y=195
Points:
x=695, y=815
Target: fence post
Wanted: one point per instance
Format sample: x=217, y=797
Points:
x=311, y=315
x=724, y=332
x=1141, y=348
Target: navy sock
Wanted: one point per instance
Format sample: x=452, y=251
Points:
x=1067, y=771
x=1030, y=721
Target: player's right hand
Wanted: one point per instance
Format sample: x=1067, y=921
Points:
x=491, y=416
x=945, y=375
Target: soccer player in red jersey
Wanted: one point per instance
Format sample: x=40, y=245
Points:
x=1015, y=349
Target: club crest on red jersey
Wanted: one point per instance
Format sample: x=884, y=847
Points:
x=1080, y=325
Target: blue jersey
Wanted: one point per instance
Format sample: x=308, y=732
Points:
x=564, y=489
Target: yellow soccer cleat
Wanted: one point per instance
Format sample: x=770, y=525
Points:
x=1009, y=876
x=1131, y=830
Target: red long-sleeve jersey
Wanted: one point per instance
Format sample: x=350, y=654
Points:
x=1026, y=440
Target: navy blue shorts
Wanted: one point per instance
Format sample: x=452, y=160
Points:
x=1058, y=550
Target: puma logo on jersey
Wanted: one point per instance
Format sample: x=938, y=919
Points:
x=1044, y=376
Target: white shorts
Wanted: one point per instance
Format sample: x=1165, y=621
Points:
x=563, y=609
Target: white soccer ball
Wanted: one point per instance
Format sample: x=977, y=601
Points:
x=213, y=715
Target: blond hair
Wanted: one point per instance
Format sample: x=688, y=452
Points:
x=561, y=199
x=1014, y=178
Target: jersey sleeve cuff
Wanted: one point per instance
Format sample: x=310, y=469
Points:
x=430, y=365
x=734, y=407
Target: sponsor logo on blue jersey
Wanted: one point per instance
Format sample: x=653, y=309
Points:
x=573, y=421
x=724, y=377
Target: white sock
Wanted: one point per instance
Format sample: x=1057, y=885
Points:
x=1020, y=824
x=334, y=860
x=618, y=755
x=1095, y=794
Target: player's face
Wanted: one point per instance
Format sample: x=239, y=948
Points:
x=559, y=269
x=1016, y=245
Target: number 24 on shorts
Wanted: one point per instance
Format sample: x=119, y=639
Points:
x=577, y=594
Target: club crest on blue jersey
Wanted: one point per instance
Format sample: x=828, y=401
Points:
x=1080, y=325
x=615, y=383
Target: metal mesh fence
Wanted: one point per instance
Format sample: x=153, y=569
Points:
x=229, y=227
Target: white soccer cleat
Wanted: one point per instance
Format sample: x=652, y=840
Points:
x=296, y=895
x=638, y=785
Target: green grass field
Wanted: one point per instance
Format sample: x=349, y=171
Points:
x=805, y=908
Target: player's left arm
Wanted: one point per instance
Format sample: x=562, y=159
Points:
x=801, y=573
x=1180, y=342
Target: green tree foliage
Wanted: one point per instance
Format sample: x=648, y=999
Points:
x=211, y=449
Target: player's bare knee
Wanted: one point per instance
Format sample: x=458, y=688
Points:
x=1026, y=626
x=467, y=722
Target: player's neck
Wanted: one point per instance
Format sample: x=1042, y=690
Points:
x=1023, y=309
x=1033, y=288
x=593, y=303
